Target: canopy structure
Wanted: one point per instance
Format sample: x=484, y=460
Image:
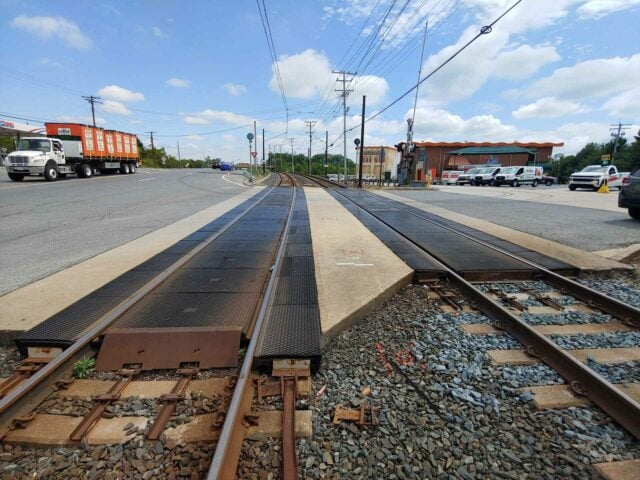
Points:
x=494, y=150
x=9, y=127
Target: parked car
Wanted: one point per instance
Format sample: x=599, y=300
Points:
x=516, y=176
x=467, y=177
x=226, y=167
x=486, y=176
x=450, y=177
x=629, y=196
x=548, y=180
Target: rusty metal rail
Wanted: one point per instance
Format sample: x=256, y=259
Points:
x=225, y=459
x=583, y=380
x=32, y=391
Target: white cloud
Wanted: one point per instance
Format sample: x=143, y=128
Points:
x=111, y=106
x=549, y=107
x=158, y=32
x=235, y=89
x=304, y=75
x=60, y=27
x=120, y=94
x=47, y=62
x=207, y=116
x=178, y=82
x=590, y=79
x=600, y=8
x=626, y=105
x=375, y=88
x=523, y=61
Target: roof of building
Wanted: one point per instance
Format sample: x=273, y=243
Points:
x=498, y=150
x=489, y=144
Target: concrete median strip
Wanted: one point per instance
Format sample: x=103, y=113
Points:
x=26, y=307
x=581, y=259
x=355, y=271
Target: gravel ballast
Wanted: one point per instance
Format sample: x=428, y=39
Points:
x=479, y=426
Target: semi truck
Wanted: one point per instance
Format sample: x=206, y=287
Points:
x=73, y=148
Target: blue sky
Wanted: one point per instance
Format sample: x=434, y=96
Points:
x=551, y=70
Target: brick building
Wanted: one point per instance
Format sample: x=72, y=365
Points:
x=378, y=161
x=434, y=157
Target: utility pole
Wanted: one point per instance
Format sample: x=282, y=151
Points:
x=178, y=143
x=93, y=100
x=617, y=131
x=326, y=151
x=153, y=148
x=293, y=167
x=255, y=157
x=264, y=167
x=311, y=123
x=364, y=102
x=344, y=91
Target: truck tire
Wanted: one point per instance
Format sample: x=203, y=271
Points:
x=515, y=183
x=534, y=184
x=132, y=168
x=51, y=171
x=85, y=171
x=634, y=213
x=548, y=183
x=572, y=188
x=124, y=169
x=16, y=177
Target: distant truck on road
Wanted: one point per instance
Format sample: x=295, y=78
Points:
x=594, y=176
x=71, y=148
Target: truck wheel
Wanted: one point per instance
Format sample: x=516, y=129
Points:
x=51, y=171
x=491, y=183
x=534, y=184
x=16, y=177
x=85, y=171
x=515, y=183
x=572, y=188
x=634, y=213
x=132, y=168
x=124, y=169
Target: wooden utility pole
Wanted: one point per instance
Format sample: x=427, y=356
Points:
x=93, y=100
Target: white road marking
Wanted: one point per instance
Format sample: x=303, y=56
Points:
x=62, y=182
x=145, y=179
x=224, y=177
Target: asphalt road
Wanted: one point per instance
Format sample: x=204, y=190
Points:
x=49, y=226
x=590, y=229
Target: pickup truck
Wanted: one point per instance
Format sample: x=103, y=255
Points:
x=594, y=176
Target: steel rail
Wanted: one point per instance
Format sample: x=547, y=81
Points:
x=219, y=468
x=627, y=313
x=12, y=406
x=582, y=379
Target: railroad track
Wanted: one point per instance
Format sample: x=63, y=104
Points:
x=504, y=312
x=170, y=403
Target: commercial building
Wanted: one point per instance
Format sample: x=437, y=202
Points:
x=435, y=157
x=379, y=162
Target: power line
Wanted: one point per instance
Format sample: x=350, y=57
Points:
x=266, y=26
x=483, y=31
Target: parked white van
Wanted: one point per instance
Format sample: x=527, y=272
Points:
x=486, y=175
x=516, y=176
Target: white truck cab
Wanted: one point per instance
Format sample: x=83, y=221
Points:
x=516, y=176
x=37, y=156
x=486, y=175
x=594, y=176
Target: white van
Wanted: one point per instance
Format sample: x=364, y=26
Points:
x=516, y=176
x=486, y=176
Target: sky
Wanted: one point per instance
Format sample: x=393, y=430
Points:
x=199, y=73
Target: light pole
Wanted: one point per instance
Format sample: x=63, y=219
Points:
x=250, y=137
